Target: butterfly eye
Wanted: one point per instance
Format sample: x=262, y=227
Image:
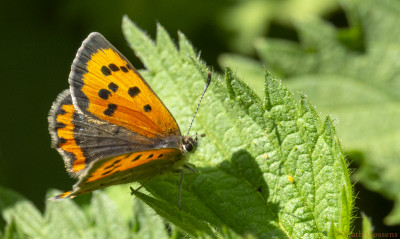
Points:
x=189, y=143
x=188, y=146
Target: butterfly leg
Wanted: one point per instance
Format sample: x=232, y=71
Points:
x=133, y=191
x=190, y=167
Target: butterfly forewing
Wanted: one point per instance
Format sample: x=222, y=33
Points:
x=105, y=85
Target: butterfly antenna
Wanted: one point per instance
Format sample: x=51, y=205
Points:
x=198, y=105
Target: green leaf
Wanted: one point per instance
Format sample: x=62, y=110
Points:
x=367, y=229
x=12, y=231
x=20, y=212
x=394, y=217
x=245, y=68
x=267, y=167
x=353, y=75
x=67, y=219
x=107, y=217
x=150, y=224
x=248, y=20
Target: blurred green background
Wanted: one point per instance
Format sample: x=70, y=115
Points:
x=40, y=40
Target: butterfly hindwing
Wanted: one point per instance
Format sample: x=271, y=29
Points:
x=61, y=129
x=106, y=86
x=124, y=169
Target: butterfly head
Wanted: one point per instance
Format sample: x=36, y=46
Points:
x=189, y=143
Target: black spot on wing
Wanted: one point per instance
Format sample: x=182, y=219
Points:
x=133, y=91
x=104, y=94
x=137, y=157
x=147, y=108
x=61, y=111
x=106, y=172
x=59, y=125
x=61, y=141
x=109, y=166
x=112, y=86
x=105, y=70
x=124, y=69
x=110, y=110
x=113, y=67
x=113, y=165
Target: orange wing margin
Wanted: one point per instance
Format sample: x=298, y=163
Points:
x=62, y=131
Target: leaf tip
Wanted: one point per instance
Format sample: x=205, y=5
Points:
x=229, y=78
x=126, y=22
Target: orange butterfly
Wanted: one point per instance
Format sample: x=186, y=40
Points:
x=110, y=127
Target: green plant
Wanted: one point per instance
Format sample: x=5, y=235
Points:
x=352, y=74
x=266, y=168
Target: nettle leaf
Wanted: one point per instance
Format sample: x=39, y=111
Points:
x=151, y=225
x=267, y=167
x=21, y=216
x=66, y=219
x=352, y=74
x=367, y=229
